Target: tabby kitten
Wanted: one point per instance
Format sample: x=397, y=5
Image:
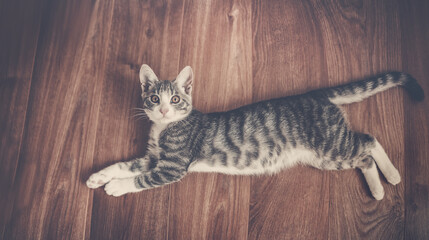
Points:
x=263, y=137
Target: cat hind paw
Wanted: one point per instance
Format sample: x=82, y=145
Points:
x=394, y=177
x=378, y=195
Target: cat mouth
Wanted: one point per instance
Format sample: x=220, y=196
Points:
x=164, y=118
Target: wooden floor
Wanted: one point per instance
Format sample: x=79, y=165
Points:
x=69, y=83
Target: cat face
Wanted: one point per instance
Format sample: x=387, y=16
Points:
x=166, y=101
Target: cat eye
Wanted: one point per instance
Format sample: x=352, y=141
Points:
x=154, y=99
x=175, y=99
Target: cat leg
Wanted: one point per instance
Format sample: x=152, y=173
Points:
x=369, y=170
x=118, y=170
x=383, y=162
x=157, y=177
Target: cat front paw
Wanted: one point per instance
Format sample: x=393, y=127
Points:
x=119, y=187
x=97, y=180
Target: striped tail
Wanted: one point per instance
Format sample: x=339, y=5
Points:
x=357, y=91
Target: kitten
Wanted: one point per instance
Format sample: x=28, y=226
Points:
x=263, y=137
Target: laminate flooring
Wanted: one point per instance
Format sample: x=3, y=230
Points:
x=69, y=83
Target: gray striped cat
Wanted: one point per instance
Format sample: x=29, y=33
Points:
x=263, y=137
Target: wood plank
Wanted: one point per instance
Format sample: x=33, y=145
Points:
x=288, y=59
x=364, y=41
x=142, y=32
x=69, y=81
x=216, y=42
x=51, y=199
x=415, y=59
x=17, y=54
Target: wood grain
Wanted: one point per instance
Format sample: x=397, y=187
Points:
x=285, y=64
x=69, y=83
x=152, y=33
x=416, y=131
x=216, y=42
x=50, y=199
x=17, y=54
x=369, y=51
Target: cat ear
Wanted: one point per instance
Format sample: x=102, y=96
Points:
x=147, y=77
x=185, y=79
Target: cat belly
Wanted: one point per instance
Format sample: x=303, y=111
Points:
x=263, y=165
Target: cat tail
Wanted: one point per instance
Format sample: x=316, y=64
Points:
x=357, y=91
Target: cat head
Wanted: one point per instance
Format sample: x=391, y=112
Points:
x=166, y=101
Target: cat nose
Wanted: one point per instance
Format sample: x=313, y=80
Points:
x=164, y=111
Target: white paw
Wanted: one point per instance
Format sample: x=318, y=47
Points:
x=97, y=179
x=378, y=194
x=119, y=187
x=394, y=177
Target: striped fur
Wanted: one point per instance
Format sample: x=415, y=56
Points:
x=357, y=91
x=263, y=137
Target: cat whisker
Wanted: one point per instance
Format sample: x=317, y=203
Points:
x=139, y=116
x=135, y=112
x=137, y=109
x=138, y=113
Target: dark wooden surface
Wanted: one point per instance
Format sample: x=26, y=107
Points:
x=69, y=83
